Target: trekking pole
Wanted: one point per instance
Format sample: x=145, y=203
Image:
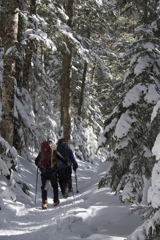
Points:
x=76, y=182
x=36, y=185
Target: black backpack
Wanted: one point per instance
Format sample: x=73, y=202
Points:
x=63, y=149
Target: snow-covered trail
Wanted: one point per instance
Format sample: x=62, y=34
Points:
x=91, y=214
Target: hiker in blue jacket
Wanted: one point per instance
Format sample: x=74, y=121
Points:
x=63, y=170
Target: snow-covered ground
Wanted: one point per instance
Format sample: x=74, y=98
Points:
x=91, y=214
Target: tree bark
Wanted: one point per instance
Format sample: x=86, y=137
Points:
x=157, y=30
x=66, y=78
x=17, y=141
x=82, y=89
x=2, y=20
x=27, y=67
x=93, y=73
x=83, y=81
x=33, y=7
x=8, y=71
x=29, y=50
x=20, y=60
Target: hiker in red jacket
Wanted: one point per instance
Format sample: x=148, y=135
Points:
x=46, y=162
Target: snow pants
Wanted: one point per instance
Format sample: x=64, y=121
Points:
x=45, y=178
x=63, y=179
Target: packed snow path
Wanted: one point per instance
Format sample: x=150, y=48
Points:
x=91, y=214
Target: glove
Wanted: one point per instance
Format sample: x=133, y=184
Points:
x=36, y=162
x=75, y=167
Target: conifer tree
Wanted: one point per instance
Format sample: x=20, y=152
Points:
x=8, y=84
x=67, y=76
x=3, y=20
x=129, y=123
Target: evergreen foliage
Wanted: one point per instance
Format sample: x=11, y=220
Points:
x=121, y=86
x=40, y=50
x=129, y=124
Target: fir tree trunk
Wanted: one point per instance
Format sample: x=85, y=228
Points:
x=62, y=90
x=157, y=30
x=29, y=50
x=27, y=68
x=82, y=89
x=33, y=7
x=17, y=142
x=66, y=78
x=83, y=81
x=2, y=20
x=20, y=60
x=145, y=10
x=93, y=73
x=67, y=97
x=12, y=13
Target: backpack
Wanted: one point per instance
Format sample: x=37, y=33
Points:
x=63, y=149
x=48, y=159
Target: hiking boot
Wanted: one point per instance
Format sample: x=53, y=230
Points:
x=65, y=195
x=44, y=205
x=56, y=202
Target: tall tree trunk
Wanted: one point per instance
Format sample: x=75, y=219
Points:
x=33, y=7
x=157, y=30
x=2, y=20
x=9, y=69
x=17, y=142
x=20, y=60
x=145, y=10
x=83, y=81
x=93, y=73
x=66, y=78
x=82, y=89
x=29, y=50
x=27, y=68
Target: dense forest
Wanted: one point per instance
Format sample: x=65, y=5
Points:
x=88, y=71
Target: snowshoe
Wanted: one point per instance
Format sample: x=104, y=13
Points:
x=56, y=203
x=65, y=195
x=44, y=205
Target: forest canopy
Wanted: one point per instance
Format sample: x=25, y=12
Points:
x=88, y=71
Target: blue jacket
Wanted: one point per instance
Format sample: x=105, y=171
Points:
x=72, y=158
